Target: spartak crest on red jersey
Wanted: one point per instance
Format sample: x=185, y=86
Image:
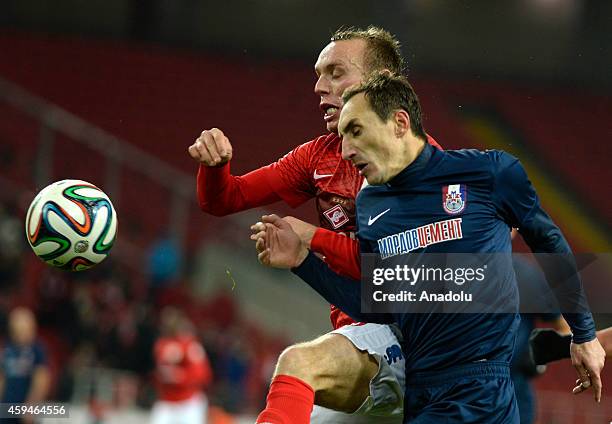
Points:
x=336, y=216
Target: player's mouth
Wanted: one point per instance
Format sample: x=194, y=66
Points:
x=330, y=111
x=361, y=167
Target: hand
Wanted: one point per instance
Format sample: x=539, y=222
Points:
x=588, y=358
x=277, y=244
x=303, y=229
x=211, y=148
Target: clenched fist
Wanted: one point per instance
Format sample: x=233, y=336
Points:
x=211, y=148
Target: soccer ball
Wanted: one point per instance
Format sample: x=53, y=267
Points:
x=71, y=224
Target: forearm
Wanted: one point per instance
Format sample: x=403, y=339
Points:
x=341, y=252
x=518, y=204
x=40, y=385
x=341, y=291
x=220, y=193
x=561, y=326
x=558, y=263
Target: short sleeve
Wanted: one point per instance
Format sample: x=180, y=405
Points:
x=40, y=355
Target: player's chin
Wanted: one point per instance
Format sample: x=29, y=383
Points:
x=372, y=177
x=332, y=126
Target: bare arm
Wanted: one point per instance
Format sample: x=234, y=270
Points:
x=561, y=326
x=41, y=380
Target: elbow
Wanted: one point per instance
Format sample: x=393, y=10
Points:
x=211, y=209
x=214, y=212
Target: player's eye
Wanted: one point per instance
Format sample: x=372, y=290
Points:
x=356, y=132
x=337, y=73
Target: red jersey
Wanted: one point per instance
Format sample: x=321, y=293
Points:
x=181, y=367
x=316, y=169
x=313, y=169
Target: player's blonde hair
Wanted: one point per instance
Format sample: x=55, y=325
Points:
x=383, y=49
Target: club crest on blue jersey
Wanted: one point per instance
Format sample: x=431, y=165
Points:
x=454, y=198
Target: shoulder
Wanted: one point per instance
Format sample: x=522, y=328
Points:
x=317, y=146
x=324, y=142
x=499, y=158
x=476, y=155
x=487, y=160
x=193, y=348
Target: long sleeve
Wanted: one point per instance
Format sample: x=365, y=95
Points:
x=341, y=291
x=519, y=205
x=220, y=193
x=288, y=179
x=341, y=252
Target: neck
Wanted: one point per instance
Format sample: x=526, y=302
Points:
x=411, y=148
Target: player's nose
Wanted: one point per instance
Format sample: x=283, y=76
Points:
x=348, y=151
x=321, y=86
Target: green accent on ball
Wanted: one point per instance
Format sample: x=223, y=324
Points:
x=64, y=246
x=70, y=192
x=102, y=248
x=99, y=246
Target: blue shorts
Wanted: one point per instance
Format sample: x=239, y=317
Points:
x=480, y=393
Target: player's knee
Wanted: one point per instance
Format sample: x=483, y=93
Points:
x=348, y=384
x=338, y=372
x=297, y=361
x=328, y=357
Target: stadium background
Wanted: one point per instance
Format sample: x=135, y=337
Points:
x=114, y=92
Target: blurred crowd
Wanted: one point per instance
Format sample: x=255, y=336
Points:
x=98, y=328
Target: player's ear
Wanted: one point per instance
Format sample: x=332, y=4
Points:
x=386, y=72
x=402, y=123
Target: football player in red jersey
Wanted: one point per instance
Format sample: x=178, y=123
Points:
x=182, y=371
x=357, y=369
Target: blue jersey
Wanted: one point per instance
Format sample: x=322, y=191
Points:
x=462, y=201
x=18, y=366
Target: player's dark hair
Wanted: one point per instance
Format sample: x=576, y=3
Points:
x=387, y=93
x=383, y=49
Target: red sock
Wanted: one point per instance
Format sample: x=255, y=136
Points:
x=289, y=401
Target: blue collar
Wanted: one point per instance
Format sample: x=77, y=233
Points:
x=415, y=170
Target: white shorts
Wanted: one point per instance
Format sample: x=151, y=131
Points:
x=385, y=404
x=190, y=411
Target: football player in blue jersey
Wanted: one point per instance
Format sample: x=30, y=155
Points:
x=429, y=201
